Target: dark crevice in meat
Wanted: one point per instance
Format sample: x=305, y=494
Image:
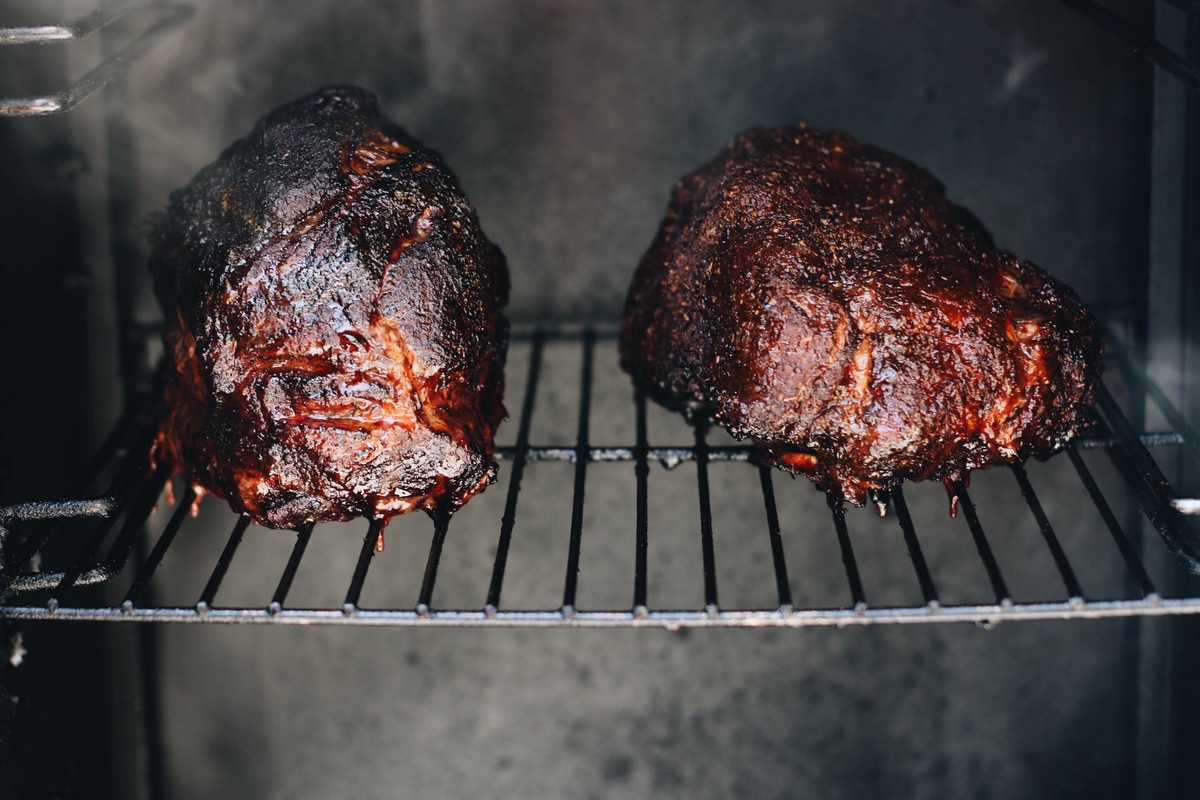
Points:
x=823, y=298
x=334, y=337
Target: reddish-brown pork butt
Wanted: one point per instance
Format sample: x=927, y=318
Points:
x=333, y=330
x=823, y=298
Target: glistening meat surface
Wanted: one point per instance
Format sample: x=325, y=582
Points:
x=822, y=297
x=334, y=336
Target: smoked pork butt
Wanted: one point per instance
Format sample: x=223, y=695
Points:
x=333, y=325
x=823, y=298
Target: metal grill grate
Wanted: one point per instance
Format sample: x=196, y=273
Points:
x=163, y=18
x=53, y=568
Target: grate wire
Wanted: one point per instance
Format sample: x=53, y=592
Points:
x=519, y=456
x=782, y=585
x=928, y=591
x=582, y=456
x=1074, y=591
x=1003, y=598
x=209, y=595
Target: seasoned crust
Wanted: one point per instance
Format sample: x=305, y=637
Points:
x=333, y=327
x=822, y=297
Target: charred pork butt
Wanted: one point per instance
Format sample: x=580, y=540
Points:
x=333, y=324
x=822, y=297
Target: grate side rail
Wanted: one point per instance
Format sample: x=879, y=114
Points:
x=106, y=556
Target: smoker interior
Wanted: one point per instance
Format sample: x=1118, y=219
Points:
x=668, y=669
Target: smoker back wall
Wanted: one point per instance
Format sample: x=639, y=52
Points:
x=567, y=123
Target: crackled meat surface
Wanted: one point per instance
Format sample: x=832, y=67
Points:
x=822, y=297
x=333, y=326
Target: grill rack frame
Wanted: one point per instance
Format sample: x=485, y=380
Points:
x=163, y=19
x=137, y=485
